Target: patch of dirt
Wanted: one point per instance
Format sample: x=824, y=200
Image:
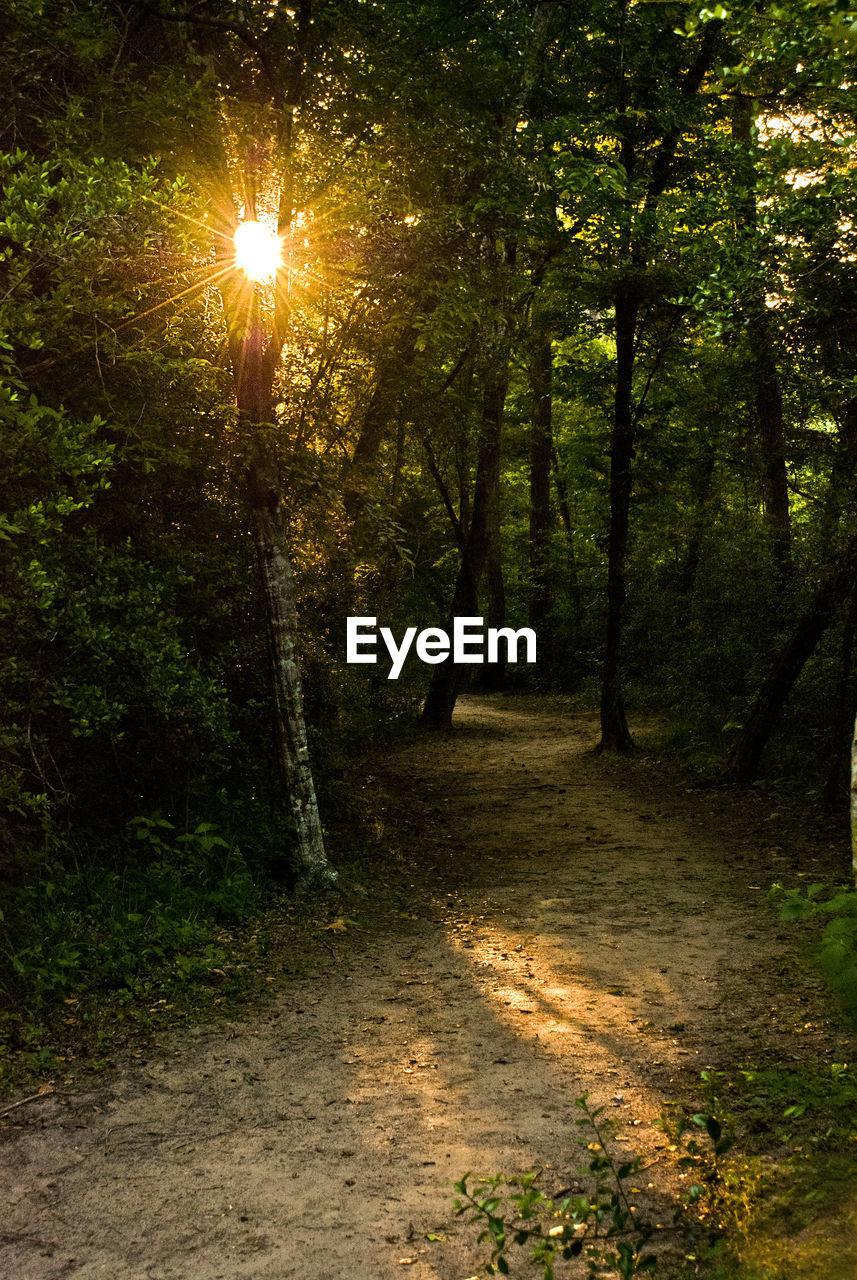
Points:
x=606, y=930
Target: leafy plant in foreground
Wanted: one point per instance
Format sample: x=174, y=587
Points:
x=709, y=1205
x=602, y=1224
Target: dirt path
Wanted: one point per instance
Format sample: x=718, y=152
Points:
x=613, y=941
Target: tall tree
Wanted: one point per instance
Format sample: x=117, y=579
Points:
x=266, y=54
x=645, y=176
x=768, y=395
x=498, y=250
x=540, y=366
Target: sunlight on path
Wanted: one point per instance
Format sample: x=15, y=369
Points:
x=595, y=942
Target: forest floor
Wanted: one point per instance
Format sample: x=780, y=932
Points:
x=550, y=923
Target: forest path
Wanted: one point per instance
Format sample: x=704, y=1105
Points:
x=598, y=937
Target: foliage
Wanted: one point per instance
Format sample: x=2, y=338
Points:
x=780, y=1204
x=598, y=1225
x=767, y=1157
x=837, y=948
x=462, y=179
x=90, y=929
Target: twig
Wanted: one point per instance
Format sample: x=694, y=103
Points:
x=44, y=1092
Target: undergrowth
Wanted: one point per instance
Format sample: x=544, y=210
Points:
x=597, y=1226
x=769, y=1190
x=92, y=954
x=793, y=1167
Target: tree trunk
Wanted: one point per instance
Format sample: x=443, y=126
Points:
x=614, y=725
x=701, y=485
x=446, y=677
x=769, y=414
x=768, y=395
x=443, y=689
x=568, y=526
x=495, y=672
x=743, y=763
x=541, y=452
x=254, y=356
x=637, y=251
x=853, y=796
x=380, y=413
x=290, y=727
x=254, y=374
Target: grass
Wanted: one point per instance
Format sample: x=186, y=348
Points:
x=786, y=1203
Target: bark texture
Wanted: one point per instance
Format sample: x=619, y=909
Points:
x=254, y=392
x=290, y=725
x=254, y=357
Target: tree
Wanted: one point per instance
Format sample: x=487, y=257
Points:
x=790, y=661
x=267, y=55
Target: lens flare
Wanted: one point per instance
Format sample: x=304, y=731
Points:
x=258, y=251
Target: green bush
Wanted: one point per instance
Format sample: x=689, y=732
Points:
x=67, y=932
x=837, y=949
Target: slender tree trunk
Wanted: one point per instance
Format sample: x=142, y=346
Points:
x=254, y=373
x=541, y=452
x=443, y=689
x=495, y=672
x=446, y=677
x=701, y=486
x=290, y=726
x=768, y=395
x=380, y=413
x=637, y=250
x=743, y=763
x=254, y=356
x=614, y=725
x=568, y=526
x=853, y=805
x=769, y=413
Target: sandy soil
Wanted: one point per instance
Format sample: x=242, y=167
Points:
x=606, y=931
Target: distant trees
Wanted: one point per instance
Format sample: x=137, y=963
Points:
x=562, y=335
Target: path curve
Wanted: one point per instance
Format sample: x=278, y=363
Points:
x=607, y=940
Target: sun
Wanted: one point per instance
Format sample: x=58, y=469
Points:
x=258, y=250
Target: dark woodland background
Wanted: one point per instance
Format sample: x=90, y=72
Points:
x=565, y=335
